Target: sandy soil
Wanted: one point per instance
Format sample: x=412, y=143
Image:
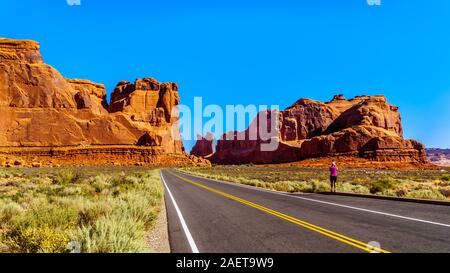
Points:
x=159, y=236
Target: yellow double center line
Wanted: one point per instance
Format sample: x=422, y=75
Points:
x=323, y=231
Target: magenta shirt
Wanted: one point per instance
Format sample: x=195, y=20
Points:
x=333, y=171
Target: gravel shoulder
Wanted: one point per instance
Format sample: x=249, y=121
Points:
x=159, y=236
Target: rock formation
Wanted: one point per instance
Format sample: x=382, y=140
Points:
x=40, y=109
x=204, y=146
x=365, y=127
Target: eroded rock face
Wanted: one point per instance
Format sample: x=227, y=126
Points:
x=365, y=126
x=146, y=100
x=204, y=146
x=41, y=108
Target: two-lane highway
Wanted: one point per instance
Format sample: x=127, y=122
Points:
x=212, y=216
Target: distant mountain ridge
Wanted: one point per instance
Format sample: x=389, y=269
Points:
x=440, y=157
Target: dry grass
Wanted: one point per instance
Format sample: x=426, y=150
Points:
x=426, y=184
x=57, y=210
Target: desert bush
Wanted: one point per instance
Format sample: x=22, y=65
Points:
x=401, y=192
x=40, y=239
x=47, y=215
x=70, y=190
x=445, y=192
x=60, y=190
x=388, y=192
x=426, y=194
x=319, y=186
x=113, y=210
x=67, y=177
x=137, y=206
x=94, y=211
x=8, y=212
x=355, y=188
x=152, y=186
x=41, y=180
x=124, y=183
x=445, y=177
x=303, y=186
x=4, y=173
x=100, y=182
x=112, y=234
x=283, y=186
x=382, y=185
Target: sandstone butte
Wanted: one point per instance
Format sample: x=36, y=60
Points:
x=46, y=119
x=363, y=131
x=204, y=147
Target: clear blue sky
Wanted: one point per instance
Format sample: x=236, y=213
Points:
x=257, y=52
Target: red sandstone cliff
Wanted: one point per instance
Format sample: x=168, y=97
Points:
x=40, y=108
x=365, y=126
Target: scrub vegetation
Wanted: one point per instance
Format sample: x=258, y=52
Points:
x=71, y=210
x=422, y=184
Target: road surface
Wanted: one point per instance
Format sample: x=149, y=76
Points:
x=210, y=216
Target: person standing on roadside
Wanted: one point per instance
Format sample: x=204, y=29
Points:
x=333, y=176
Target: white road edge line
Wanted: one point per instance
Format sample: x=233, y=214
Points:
x=180, y=216
x=324, y=202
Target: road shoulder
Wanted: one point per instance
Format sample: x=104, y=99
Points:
x=158, y=238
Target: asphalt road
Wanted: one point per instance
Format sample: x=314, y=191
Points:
x=211, y=216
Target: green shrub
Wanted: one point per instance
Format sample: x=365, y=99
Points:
x=124, y=183
x=4, y=173
x=47, y=215
x=8, y=212
x=67, y=177
x=445, y=177
x=426, y=194
x=100, y=182
x=352, y=188
x=93, y=211
x=320, y=186
x=283, y=186
x=139, y=207
x=382, y=185
x=112, y=234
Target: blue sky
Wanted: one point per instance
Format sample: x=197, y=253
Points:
x=256, y=52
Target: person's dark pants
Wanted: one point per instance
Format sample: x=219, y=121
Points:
x=333, y=180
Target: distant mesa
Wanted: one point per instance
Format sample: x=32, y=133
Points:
x=47, y=116
x=364, y=127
